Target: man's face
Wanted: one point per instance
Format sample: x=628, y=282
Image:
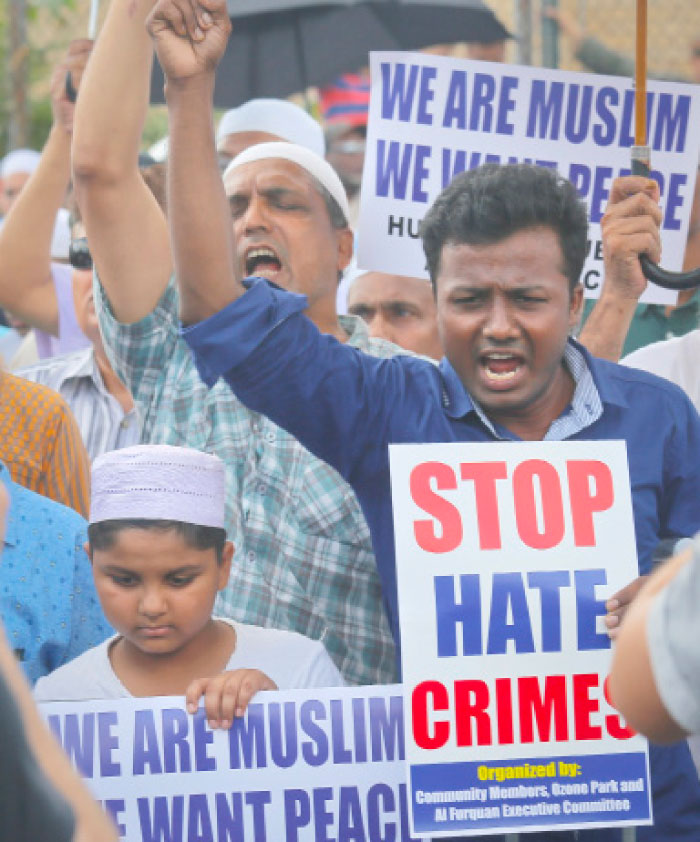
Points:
x=233, y=144
x=282, y=230
x=399, y=309
x=11, y=188
x=346, y=154
x=504, y=314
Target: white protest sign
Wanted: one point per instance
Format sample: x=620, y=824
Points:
x=505, y=558
x=301, y=766
x=431, y=117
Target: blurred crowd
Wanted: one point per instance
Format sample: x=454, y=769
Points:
x=199, y=387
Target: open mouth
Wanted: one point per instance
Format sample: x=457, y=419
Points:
x=263, y=262
x=501, y=366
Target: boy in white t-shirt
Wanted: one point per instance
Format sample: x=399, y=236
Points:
x=159, y=555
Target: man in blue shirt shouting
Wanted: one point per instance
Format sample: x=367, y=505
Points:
x=505, y=248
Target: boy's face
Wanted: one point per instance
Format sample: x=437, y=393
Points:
x=157, y=591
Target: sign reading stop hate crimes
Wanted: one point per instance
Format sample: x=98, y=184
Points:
x=432, y=117
x=505, y=558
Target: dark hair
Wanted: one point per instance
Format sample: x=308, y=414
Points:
x=488, y=204
x=335, y=213
x=102, y=535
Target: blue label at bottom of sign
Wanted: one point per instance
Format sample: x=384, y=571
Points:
x=597, y=789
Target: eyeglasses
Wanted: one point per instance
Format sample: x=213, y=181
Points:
x=79, y=255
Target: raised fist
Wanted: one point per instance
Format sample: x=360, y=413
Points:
x=189, y=36
x=74, y=63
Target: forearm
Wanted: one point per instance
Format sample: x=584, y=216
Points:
x=633, y=685
x=114, y=93
x=198, y=211
x=116, y=204
x=91, y=822
x=664, y=574
x=26, y=288
x=606, y=327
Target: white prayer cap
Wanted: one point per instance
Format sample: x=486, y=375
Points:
x=274, y=116
x=21, y=160
x=316, y=166
x=60, y=240
x=158, y=482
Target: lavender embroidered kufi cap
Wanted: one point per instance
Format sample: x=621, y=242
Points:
x=158, y=482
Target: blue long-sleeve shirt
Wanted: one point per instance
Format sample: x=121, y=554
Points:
x=347, y=407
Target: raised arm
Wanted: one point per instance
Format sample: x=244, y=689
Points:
x=26, y=285
x=126, y=227
x=190, y=38
x=630, y=227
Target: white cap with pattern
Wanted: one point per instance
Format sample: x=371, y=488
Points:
x=158, y=482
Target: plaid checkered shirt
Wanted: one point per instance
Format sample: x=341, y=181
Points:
x=303, y=557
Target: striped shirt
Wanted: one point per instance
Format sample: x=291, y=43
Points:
x=303, y=559
x=40, y=443
x=101, y=419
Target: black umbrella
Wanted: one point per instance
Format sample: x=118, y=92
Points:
x=279, y=47
x=641, y=158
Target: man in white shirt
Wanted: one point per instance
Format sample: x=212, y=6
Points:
x=677, y=359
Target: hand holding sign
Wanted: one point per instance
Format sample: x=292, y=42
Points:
x=618, y=604
x=227, y=694
x=189, y=36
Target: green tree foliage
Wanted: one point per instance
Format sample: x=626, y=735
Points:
x=56, y=17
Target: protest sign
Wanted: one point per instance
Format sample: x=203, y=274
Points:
x=431, y=117
x=504, y=563
x=301, y=766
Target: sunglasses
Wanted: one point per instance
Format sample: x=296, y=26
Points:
x=79, y=255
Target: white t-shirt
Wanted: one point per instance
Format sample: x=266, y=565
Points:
x=292, y=661
x=676, y=359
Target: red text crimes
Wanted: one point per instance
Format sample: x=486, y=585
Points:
x=529, y=709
